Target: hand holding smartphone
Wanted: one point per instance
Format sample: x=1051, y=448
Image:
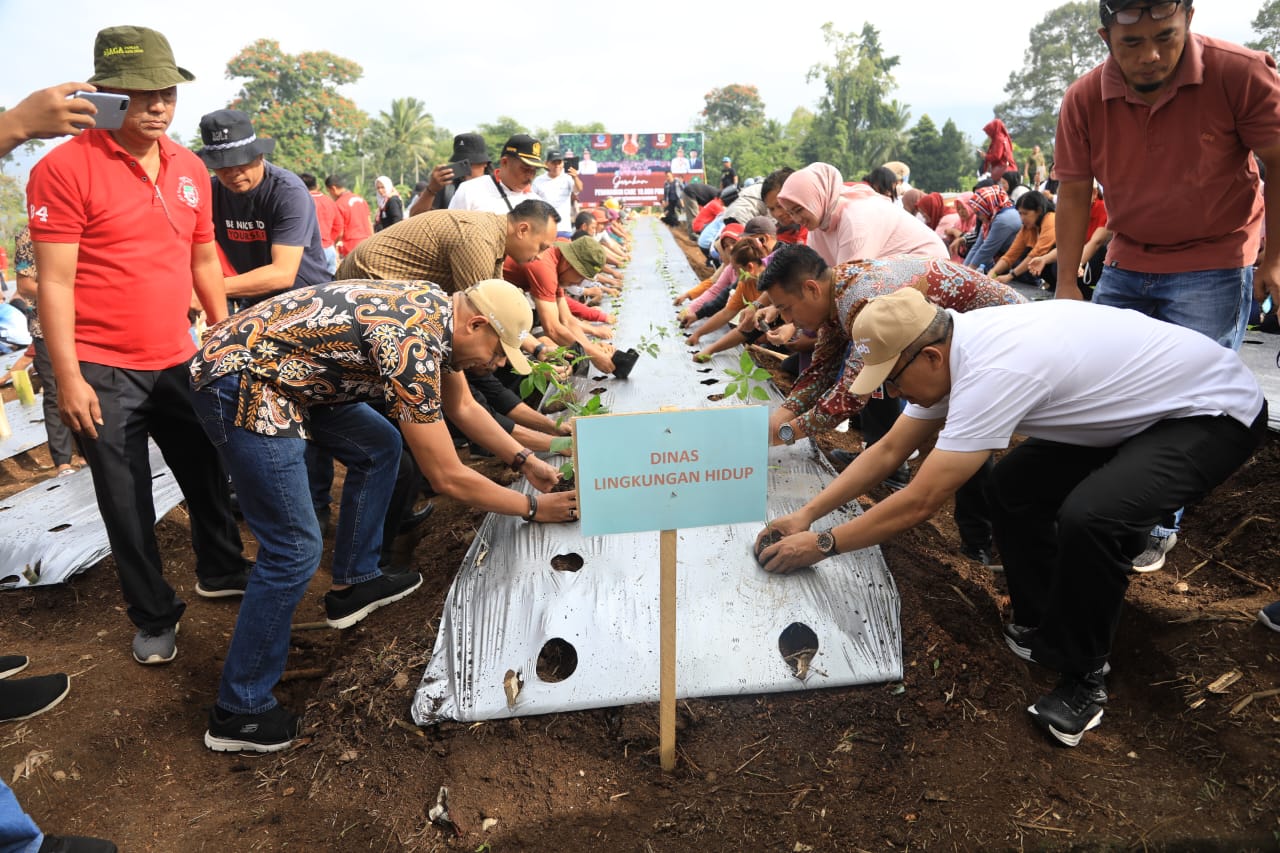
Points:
x=111, y=108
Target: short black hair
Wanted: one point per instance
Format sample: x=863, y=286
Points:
x=776, y=179
x=884, y=181
x=586, y=217
x=534, y=210
x=791, y=264
x=336, y=181
x=308, y=180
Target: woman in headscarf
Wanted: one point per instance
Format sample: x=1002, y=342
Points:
x=959, y=227
x=390, y=205
x=1000, y=225
x=852, y=223
x=999, y=156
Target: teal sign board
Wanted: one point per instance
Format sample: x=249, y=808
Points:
x=670, y=470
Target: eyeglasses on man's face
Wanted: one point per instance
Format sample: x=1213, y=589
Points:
x=1157, y=11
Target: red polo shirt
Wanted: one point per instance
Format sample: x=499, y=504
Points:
x=133, y=272
x=1182, y=188
x=353, y=213
x=327, y=217
x=538, y=277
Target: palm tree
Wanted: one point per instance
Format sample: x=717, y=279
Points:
x=403, y=138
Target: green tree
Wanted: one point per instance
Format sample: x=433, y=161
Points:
x=855, y=122
x=497, y=133
x=402, y=141
x=1267, y=25
x=1063, y=46
x=940, y=162
x=731, y=106
x=295, y=100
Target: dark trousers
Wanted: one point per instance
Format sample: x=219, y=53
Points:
x=972, y=513
x=1069, y=520
x=61, y=439
x=156, y=403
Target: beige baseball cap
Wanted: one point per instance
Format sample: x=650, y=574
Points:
x=508, y=312
x=883, y=330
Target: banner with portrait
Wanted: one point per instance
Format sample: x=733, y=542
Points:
x=632, y=167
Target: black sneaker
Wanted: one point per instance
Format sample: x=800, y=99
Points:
x=1071, y=708
x=23, y=698
x=270, y=731
x=223, y=586
x=1018, y=639
x=12, y=664
x=898, y=480
x=344, y=608
x=76, y=844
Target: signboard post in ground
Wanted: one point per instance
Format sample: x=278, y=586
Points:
x=664, y=471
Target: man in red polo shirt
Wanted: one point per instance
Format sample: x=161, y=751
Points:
x=122, y=230
x=1168, y=124
x=327, y=216
x=544, y=278
x=353, y=215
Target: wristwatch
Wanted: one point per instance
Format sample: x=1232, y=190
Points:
x=827, y=543
x=786, y=434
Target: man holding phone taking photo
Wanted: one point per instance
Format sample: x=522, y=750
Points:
x=123, y=233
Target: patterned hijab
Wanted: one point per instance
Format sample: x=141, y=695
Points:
x=817, y=188
x=989, y=201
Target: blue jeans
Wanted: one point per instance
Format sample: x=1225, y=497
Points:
x=18, y=832
x=1214, y=303
x=331, y=260
x=270, y=474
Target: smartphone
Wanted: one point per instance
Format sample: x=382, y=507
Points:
x=111, y=108
x=461, y=169
x=571, y=162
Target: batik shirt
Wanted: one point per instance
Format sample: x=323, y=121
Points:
x=24, y=263
x=345, y=342
x=821, y=395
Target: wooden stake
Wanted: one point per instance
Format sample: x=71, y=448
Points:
x=667, y=685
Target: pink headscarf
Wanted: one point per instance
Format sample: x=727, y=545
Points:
x=817, y=188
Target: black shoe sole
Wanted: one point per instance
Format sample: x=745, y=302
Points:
x=203, y=592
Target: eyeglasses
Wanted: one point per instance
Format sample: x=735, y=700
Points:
x=891, y=382
x=1132, y=15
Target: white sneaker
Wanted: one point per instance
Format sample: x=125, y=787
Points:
x=1153, y=557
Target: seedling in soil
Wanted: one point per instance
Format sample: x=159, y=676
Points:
x=749, y=381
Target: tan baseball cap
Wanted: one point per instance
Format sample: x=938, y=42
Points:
x=883, y=330
x=508, y=312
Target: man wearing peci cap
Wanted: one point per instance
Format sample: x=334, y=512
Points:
x=560, y=187
x=1109, y=427
x=123, y=233
x=1171, y=124
x=468, y=148
x=263, y=216
x=511, y=183
x=269, y=382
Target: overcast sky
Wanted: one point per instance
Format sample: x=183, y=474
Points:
x=636, y=69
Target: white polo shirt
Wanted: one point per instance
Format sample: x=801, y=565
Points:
x=1083, y=374
x=482, y=194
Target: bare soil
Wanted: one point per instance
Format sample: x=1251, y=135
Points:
x=947, y=759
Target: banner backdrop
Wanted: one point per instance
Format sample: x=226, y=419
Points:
x=632, y=167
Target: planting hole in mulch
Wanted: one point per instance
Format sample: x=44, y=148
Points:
x=705, y=369
x=798, y=644
x=715, y=397
x=557, y=661
x=567, y=562
x=710, y=381
x=599, y=390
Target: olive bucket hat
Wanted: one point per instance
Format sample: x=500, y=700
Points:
x=135, y=58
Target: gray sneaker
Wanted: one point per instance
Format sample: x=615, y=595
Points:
x=1153, y=557
x=150, y=649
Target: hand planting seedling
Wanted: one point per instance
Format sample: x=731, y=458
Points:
x=748, y=381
